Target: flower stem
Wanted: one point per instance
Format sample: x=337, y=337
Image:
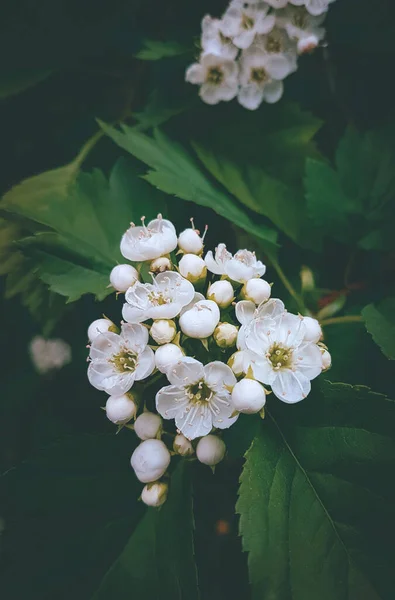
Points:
x=339, y=320
x=288, y=285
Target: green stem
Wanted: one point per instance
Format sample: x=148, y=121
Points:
x=288, y=285
x=339, y=320
x=86, y=148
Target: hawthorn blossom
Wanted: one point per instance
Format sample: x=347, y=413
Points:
x=198, y=397
x=280, y=49
x=147, y=242
x=241, y=267
x=117, y=361
x=260, y=79
x=300, y=25
x=162, y=299
x=217, y=77
x=242, y=22
x=214, y=41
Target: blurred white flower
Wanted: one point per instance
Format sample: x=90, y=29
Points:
x=214, y=41
x=242, y=21
x=217, y=77
x=260, y=79
x=200, y=320
x=117, y=361
x=241, y=267
x=162, y=299
x=147, y=242
x=48, y=355
x=280, y=50
x=300, y=24
x=198, y=397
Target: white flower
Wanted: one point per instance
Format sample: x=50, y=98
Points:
x=147, y=242
x=47, y=355
x=225, y=335
x=242, y=22
x=182, y=446
x=123, y=276
x=210, y=450
x=241, y=267
x=99, y=326
x=314, y=7
x=198, y=397
x=160, y=265
x=200, y=320
x=260, y=76
x=162, y=299
x=284, y=359
x=120, y=409
x=117, y=361
x=190, y=242
x=193, y=268
x=148, y=426
x=166, y=356
x=248, y=396
x=150, y=460
x=155, y=494
x=313, y=331
x=217, y=76
x=300, y=24
x=256, y=290
x=280, y=50
x=163, y=331
x=222, y=293
x=213, y=40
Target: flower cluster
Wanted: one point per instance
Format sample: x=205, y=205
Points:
x=206, y=326
x=254, y=46
x=49, y=355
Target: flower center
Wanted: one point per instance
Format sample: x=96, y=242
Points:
x=247, y=22
x=280, y=356
x=158, y=298
x=274, y=44
x=215, y=76
x=299, y=19
x=125, y=361
x=199, y=392
x=257, y=76
x=224, y=40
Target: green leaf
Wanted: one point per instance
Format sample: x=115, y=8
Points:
x=380, y=323
x=69, y=511
x=175, y=172
x=316, y=498
x=158, y=560
x=157, y=49
x=14, y=82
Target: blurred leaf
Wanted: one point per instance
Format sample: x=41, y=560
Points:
x=157, y=49
x=14, y=82
x=158, y=560
x=380, y=323
x=175, y=172
x=316, y=499
x=158, y=111
x=68, y=512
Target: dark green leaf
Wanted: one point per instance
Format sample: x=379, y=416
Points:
x=316, y=498
x=14, y=82
x=158, y=560
x=380, y=323
x=156, y=49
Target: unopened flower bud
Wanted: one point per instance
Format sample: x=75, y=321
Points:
x=182, y=446
x=307, y=44
x=222, y=293
x=160, y=265
x=200, y=320
x=148, y=426
x=193, y=268
x=163, y=331
x=150, y=460
x=120, y=409
x=256, y=290
x=210, y=450
x=99, y=326
x=190, y=242
x=166, y=356
x=238, y=363
x=326, y=360
x=225, y=335
x=155, y=494
x=313, y=331
x=248, y=396
x=122, y=277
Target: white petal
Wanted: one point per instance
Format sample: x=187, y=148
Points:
x=133, y=314
x=217, y=375
x=273, y=91
x=291, y=387
x=195, y=421
x=222, y=409
x=308, y=360
x=170, y=400
x=196, y=298
x=135, y=336
x=278, y=67
x=262, y=369
x=212, y=265
x=112, y=382
x=272, y=308
x=185, y=371
x=105, y=345
x=238, y=271
x=244, y=39
x=290, y=330
x=145, y=364
x=210, y=94
x=250, y=96
x=265, y=25
x=164, y=311
x=245, y=311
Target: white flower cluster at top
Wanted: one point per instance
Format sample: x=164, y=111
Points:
x=221, y=300
x=254, y=47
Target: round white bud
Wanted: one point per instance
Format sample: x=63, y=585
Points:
x=163, y=331
x=248, y=396
x=166, y=356
x=182, y=446
x=313, y=331
x=221, y=292
x=148, y=426
x=210, y=450
x=122, y=277
x=99, y=326
x=150, y=460
x=326, y=360
x=193, y=268
x=200, y=320
x=190, y=242
x=120, y=409
x=160, y=265
x=256, y=290
x=307, y=44
x=225, y=335
x=237, y=362
x=155, y=494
